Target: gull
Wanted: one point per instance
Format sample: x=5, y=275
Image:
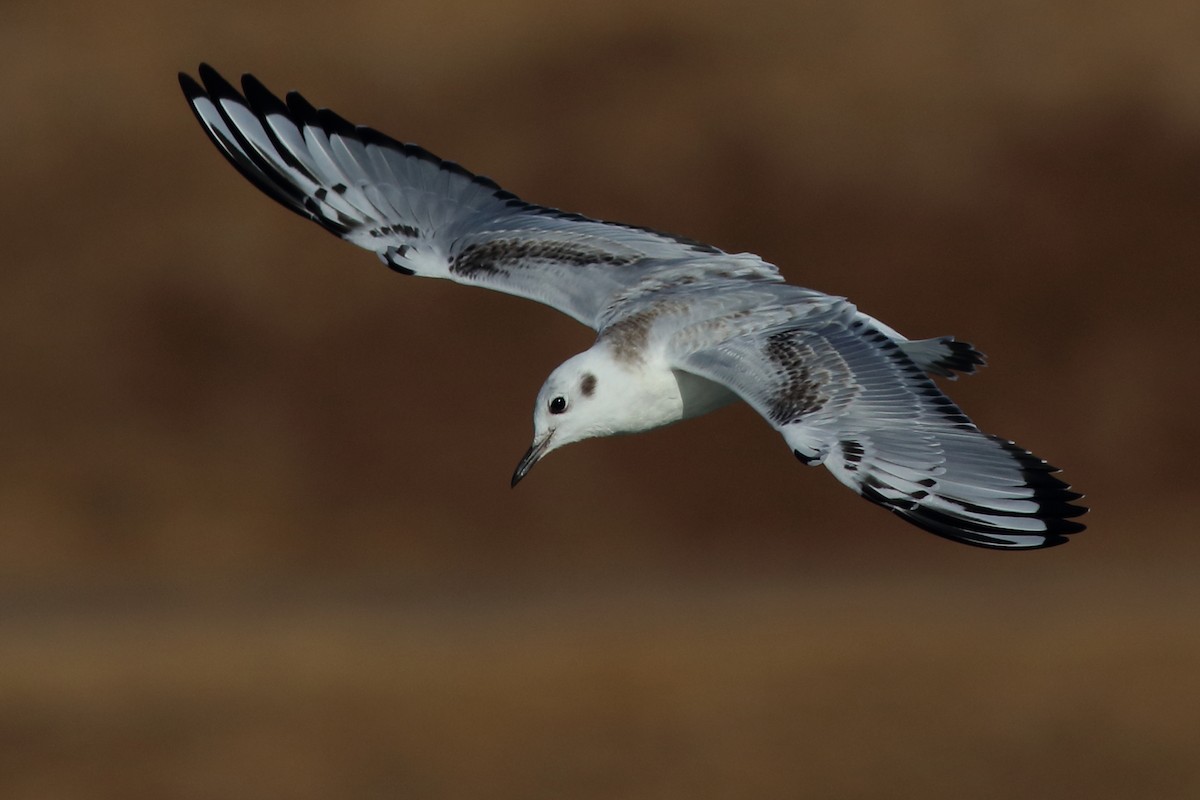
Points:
x=683, y=328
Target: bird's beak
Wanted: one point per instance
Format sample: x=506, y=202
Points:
x=530, y=458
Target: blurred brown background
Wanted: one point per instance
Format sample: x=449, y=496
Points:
x=257, y=534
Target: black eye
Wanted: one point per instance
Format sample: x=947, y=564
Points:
x=558, y=405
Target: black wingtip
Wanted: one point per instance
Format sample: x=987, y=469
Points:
x=304, y=111
x=1043, y=515
x=212, y=79
x=190, y=88
x=977, y=534
x=238, y=151
x=335, y=123
x=260, y=98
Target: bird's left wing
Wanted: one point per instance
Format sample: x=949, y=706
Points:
x=429, y=217
x=845, y=393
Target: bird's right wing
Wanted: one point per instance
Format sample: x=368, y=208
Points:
x=429, y=217
x=846, y=394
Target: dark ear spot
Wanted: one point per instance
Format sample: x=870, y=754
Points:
x=588, y=385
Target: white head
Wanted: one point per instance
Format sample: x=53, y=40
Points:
x=592, y=394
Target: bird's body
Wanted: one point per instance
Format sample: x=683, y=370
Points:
x=682, y=327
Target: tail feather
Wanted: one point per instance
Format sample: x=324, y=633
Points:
x=944, y=356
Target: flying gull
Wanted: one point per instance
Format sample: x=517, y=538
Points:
x=683, y=328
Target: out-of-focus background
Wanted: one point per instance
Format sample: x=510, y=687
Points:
x=256, y=531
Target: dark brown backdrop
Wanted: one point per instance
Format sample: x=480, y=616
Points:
x=257, y=534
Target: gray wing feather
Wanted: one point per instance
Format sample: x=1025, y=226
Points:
x=846, y=394
x=429, y=217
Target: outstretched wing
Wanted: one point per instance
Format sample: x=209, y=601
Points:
x=844, y=393
x=429, y=217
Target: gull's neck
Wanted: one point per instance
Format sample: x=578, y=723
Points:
x=640, y=394
x=647, y=393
